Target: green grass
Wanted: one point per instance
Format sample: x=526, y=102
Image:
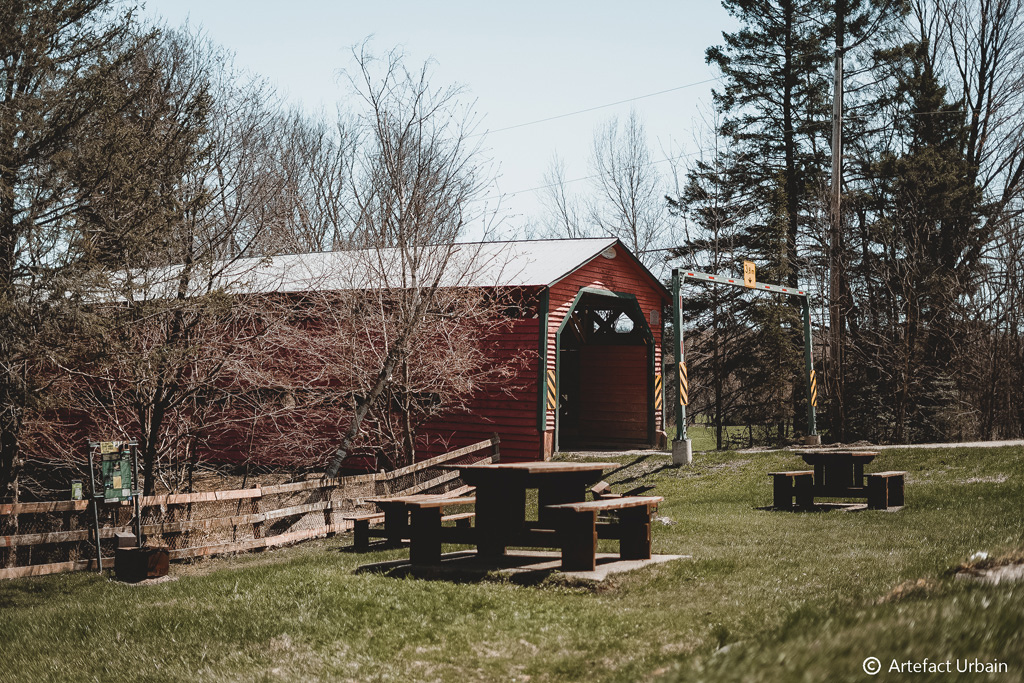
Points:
x=703, y=437
x=767, y=596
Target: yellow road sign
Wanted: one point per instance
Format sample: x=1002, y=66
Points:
x=749, y=274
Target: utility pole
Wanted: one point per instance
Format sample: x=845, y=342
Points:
x=837, y=279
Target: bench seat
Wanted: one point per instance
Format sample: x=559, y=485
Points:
x=361, y=531
x=395, y=516
x=426, y=532
x=885, y=489
x=789, y=485
x=577, y=529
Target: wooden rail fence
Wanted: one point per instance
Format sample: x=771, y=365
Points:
x=213, y=522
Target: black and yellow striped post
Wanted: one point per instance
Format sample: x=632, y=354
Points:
x=552, y=392
x=684, y=386
x=812, y=379
x=657, y=393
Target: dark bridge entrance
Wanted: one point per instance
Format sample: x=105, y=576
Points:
x=605, y=374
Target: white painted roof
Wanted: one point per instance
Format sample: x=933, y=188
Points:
x=482, y=264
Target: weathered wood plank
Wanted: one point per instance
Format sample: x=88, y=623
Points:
x=202, y=497
x=609, y=503
x=48, y=506
x=432, y=462
x=239, y=520
x=256, y=543
x=43, y=569
x=58, y=537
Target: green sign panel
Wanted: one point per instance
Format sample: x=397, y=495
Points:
x=116, y=473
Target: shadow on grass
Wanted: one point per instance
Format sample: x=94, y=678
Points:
x=641, y=475
x=822, y=507
x=522, y=568
x=627, y=465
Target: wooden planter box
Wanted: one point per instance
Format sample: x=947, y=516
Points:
x=137, y=564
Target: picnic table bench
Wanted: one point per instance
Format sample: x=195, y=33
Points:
x=395, y=513
x=789, y=485
x=577, y=529
x=564, y=520
x=427, y=533
x=885, y=489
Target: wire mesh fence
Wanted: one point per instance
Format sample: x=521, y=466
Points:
x=48, y=537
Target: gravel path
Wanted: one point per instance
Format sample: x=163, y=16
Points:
x=860, y=445
x=964, y=444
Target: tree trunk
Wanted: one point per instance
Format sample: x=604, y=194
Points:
x=408, y=433
x=363, y=405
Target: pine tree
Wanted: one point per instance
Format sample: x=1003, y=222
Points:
x=926, y=223
x=773, y=106
x=714, y=211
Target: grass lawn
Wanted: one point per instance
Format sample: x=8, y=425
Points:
x=767, y=596
x=703, y=436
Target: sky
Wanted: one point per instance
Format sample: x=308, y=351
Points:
x=521, y=63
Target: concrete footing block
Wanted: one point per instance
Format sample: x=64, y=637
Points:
x=812, y=440
x=682, y=452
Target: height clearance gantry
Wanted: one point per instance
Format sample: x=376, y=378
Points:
x=682, y=449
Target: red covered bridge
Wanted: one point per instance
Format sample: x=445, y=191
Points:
x=586, y=337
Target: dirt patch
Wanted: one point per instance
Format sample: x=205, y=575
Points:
x=1008, y=567
x=149, y=582
x=998, y=479
x=909, y=589
x=1008, y=573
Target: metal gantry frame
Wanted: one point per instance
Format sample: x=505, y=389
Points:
x=679, y=278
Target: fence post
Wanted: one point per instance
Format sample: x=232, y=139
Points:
x=328, y=490
x=256, y=507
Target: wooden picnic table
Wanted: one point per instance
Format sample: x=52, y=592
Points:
x=501, y=500
x=838, y=474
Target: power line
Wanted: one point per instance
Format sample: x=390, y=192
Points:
x=600, y=106
x=504, y=195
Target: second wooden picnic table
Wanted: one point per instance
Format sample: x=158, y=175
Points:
x=838, y=474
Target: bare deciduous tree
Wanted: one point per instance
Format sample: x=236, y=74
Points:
x=627, y=199
x=167, y=326
x=414, y=177
x=60, y=67
x=629, y=204
x=564, y=209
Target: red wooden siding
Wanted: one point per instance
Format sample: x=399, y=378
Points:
x=511, y=410
x=623, y=409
